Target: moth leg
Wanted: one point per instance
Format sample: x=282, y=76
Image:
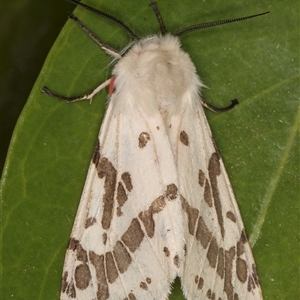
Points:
x=89, y=95
x=212, y=108
x=108, y=49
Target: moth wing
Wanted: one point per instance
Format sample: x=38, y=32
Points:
x=219, y=262
x=124, y=242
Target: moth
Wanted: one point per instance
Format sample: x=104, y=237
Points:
x=157, y=202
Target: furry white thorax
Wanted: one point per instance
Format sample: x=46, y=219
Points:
x=156, y=75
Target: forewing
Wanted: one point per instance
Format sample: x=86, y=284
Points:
x=218, y=262
x=124, y=243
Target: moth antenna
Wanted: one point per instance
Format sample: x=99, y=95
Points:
x=215, y=23
x=159, y=18
x=107, y=16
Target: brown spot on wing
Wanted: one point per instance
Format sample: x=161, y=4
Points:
x=121, y=198
x=127, y=181
x=107, y=170
x=89, y=222
x=199, y=282
x=121, y=191
x=201, y=178
x=82, y=276
x=228, y=287
x=230, y=215
x=81, y=254
x=148, y=280
x=133, y=236
x=240, y=248
x=221, y=263
x=102, y=287
x=176, y=261
x=104, y=238
x=253, y=279
x=184, y=138
x=251, y=284
x=111, y=269
x=166, y=251
x=131, y=296
x=68, y=287
x=212, y=253
x=214, y=171
x=147, y=216
x=171, y=191
x=96, y=155
x=157, y=206
x=254, y=274
x=122, y=257
x=144, y=137
x=207, y=194
x=244, y=237
x=203, y=234
x=82, y=273
x=73, y=243
x=211, y=295
x=64, y=281
x=241, y=270
x=144, y=286
x=192, y=213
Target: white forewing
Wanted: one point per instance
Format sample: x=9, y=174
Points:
x=218, y=262
x=127, y=203
x=157, y=202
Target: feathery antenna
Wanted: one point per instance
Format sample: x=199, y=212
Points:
x=107, y=16
x=159, y=18
x=215, y=23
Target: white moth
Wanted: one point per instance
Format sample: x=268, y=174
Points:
x=157, y=202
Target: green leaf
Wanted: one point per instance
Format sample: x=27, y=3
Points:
x=255, y=61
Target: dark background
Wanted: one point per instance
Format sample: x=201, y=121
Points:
x=28, y=30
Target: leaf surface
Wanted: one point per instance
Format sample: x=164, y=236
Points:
x=255, y=61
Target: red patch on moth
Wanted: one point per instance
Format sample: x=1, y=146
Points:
x=111, y=85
